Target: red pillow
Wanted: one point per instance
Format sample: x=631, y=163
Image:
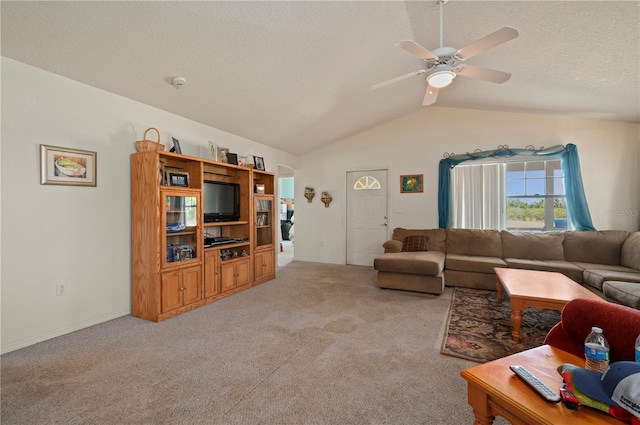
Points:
x=415, y=243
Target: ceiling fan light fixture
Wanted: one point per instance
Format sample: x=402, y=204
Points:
x=440, y=79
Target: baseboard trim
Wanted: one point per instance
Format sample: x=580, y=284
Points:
x=22, y=343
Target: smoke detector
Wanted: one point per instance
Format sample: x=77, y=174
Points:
x=178, y=82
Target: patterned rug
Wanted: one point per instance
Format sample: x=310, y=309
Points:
x=479, y=328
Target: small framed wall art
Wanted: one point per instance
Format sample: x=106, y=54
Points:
x=411, y=183
x=70, y=167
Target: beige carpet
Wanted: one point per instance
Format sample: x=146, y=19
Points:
x=321, y=344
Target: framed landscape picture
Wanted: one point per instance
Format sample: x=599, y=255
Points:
x=411, y=183
x=70, y=167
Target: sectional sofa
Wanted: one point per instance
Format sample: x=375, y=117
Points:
x=606, y=262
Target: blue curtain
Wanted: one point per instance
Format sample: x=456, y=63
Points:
x=577, y=208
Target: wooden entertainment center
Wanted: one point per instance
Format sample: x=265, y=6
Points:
x=173, y=271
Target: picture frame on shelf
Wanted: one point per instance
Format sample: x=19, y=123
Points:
x=411, y=183
x=176, y=146
x=232, y=158
x=67, y=167
x=258, y=163
x=213, y=152
x=178, y=178
x=222, y=155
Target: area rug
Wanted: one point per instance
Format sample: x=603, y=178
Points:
x=479, y=327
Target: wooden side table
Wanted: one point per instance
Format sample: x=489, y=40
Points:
x=494, y=390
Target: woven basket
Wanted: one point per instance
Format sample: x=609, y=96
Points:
x=149, y=145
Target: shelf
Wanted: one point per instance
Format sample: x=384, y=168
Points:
x=181, y=263
x=227, y=246
x=187, y=232
x=225, y=223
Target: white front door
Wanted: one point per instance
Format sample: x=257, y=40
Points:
x=367, y=226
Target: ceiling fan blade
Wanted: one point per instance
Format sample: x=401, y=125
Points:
x=400, y=78
x=492, y=40
x=430, y=96
x=483, y=73
x=416, y=49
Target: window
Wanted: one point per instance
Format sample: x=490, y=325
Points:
x=512, y=195
x=366, y=182
x=535, y=197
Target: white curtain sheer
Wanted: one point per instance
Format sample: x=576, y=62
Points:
x=478, y=201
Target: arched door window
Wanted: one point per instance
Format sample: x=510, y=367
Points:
x=366, y=183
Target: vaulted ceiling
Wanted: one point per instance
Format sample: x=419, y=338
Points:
x=297, y=75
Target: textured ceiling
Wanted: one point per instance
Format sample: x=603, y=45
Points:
x=298, y=75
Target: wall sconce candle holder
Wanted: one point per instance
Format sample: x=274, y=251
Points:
x=326, y=199
x=309, y=193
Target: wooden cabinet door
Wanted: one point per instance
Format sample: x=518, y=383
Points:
x=227, y=276
x=171, y=290
x=191, y=284
x=211, y=273
x=269, y=263
x=243, y=272
x=265, y=265
x=259, y=265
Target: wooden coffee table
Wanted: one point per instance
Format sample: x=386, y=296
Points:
x=537, y=289
x=494, y=390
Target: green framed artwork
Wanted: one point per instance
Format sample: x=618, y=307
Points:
x=411, y=183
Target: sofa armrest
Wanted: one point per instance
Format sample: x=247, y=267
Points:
x=392, y=246
x=620, y=326
x=559, y=338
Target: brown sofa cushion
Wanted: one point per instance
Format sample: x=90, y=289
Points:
x=596, y=277
x=485, y=243
x=532, y=246
x=414, y=243
x=627, y=293
x=600, y=247
x=424, y=262
x=473, y=263
x=436, y=236
x=568, y=269
x=630, y=255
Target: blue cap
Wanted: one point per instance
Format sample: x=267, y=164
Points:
x=618, y=385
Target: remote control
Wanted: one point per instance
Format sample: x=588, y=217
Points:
x=535, y=383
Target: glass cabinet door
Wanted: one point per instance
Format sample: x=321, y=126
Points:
x=264, y=221
x=181, y=227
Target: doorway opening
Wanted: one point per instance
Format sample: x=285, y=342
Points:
x=286, y=235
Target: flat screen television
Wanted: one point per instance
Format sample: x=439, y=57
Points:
x=220, y=201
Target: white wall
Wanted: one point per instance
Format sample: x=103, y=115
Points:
x=609, y=154
x=77, y=235
x=81, y=235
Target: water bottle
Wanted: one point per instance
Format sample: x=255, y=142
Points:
x=596, y=351
x=638, y=349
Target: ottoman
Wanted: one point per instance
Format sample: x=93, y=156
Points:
x=411, y=271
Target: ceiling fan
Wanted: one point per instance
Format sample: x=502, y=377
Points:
x=445, y=63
